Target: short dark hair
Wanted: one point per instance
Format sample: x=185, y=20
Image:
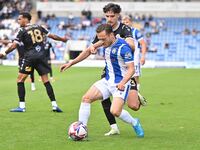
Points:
x=104, y=27
x=112, y=7
x=26, y=15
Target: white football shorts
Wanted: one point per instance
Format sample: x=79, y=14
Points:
x=107, y=89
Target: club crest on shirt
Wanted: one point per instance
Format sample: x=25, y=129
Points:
x=128, y=55
x=38, y=48
x=118, y=36
x=114, y=51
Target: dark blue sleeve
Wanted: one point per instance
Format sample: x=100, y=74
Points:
x=127, y=54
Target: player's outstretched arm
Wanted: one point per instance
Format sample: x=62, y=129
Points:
x=83, y=55
x=10, y=49
x=57, y=38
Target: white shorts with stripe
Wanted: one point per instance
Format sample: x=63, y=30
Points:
x=107, y=89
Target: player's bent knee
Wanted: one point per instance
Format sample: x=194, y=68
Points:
x=115, y=113
x=86, y=99
x=21, y=79
x=134, y=107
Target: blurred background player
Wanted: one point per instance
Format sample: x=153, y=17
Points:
x=140, y=46
x=31, y=35
x=20, y=49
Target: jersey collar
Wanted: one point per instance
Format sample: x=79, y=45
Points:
x=118, y=24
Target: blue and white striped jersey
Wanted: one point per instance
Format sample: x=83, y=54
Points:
x=116, y=56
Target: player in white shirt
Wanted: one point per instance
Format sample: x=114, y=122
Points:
x=119, y=61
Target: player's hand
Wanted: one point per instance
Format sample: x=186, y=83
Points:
x=142, y=60
x=65, y=66
x=64, y=39
x=92, y=49
x=121, y=86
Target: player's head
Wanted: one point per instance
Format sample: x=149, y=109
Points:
x=24, y=18
x=105, y=34
x=127, y=20
x=112, y=13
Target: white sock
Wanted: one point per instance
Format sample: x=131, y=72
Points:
x=114, y=126
x=126, y=117
x=22, y=104
x=84, y=112
x=54, y=104
x=138, y=87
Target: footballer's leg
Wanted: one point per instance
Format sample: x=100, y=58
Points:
x=134, y=100
x=43, y=69
x=137, y=82
x=138, y=99
x=136, y=124
x=118, y=111
x=137, y=73
x=51, y=72
x=90, y=96
x=50, y=93
x=24, y=70
x=133, y=96
x=21, y=93
x=32, y=81
x=119, y=99
x=106, y=104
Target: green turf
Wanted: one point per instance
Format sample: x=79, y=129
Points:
x=171, y=119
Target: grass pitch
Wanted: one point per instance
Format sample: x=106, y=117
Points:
x=171, y=119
